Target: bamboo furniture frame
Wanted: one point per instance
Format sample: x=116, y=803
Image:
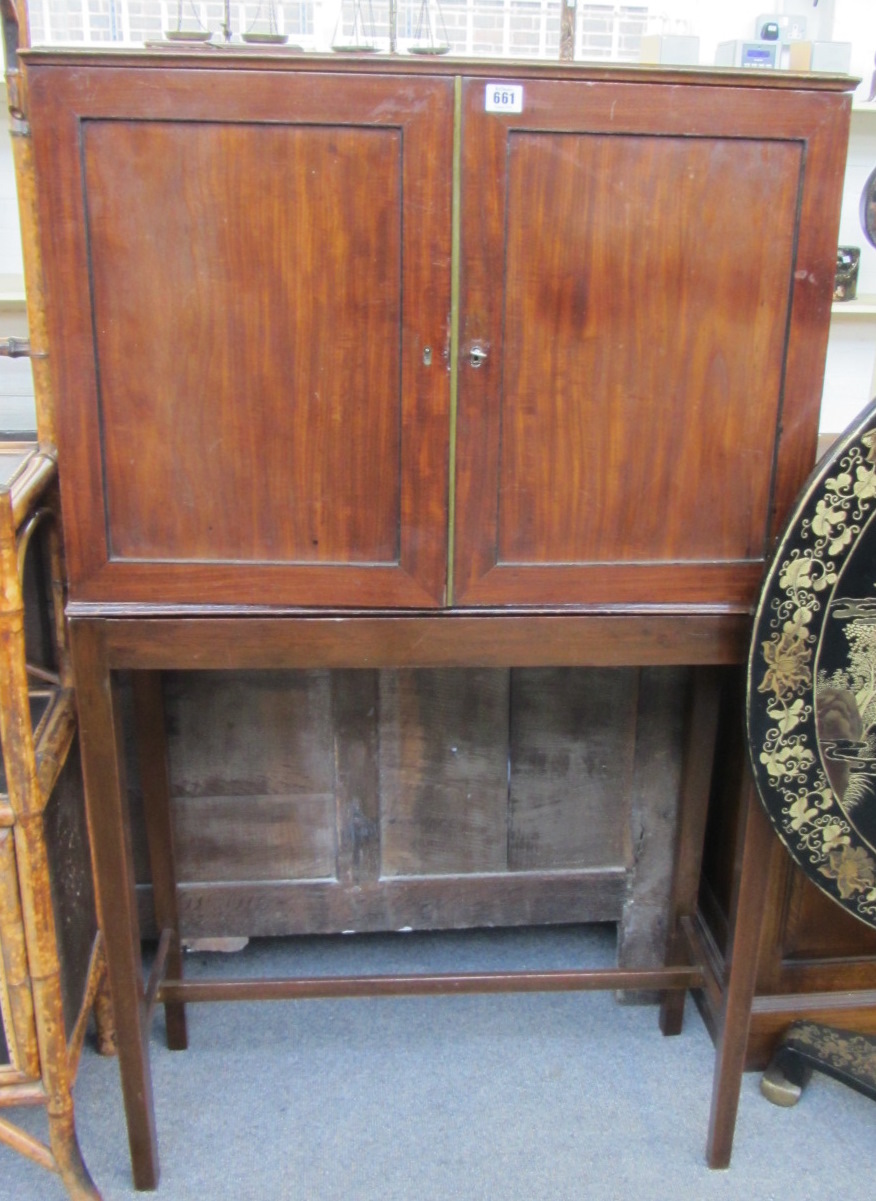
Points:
x=43, y=1062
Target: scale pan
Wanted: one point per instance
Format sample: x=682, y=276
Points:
x=188, y=35
x=266, y=39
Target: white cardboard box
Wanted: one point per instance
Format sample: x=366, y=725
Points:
x=681, y=49
x=832, y=57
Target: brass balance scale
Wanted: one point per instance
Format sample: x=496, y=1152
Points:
x=191, y=27
x=355, y=31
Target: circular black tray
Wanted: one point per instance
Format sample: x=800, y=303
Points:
x=811, y=694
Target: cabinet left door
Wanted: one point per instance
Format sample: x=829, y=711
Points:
x=248, y=279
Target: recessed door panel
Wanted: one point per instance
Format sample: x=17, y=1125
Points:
x=247, y=309
x=625, y=398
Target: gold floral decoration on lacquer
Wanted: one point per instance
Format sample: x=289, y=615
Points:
x=844, y=1050
x=811, y=816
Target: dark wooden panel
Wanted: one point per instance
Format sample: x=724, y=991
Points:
x=356, y=734
x=255, y=838
x=816, y=928
x=632, y=426
x=252, y=775
x=5, y=1057
x=443, y=772
x=36, y=589
x=247, y=306
x=597, y=638
x=250, y=733
x=718, y=868
x=335, y=788
x=70, y=878
x=653, y=824
x=440, y=903
x=572, y=744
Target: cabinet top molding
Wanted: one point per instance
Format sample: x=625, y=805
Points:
x=285, y=60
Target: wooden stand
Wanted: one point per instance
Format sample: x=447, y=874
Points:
x=102, y=647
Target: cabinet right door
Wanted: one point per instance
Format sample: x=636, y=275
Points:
x=646, y=278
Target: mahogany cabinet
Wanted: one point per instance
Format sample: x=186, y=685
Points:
x=355, y=372
x=335, y=335
x=338, y=336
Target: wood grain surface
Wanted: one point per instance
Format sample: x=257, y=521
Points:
x=644, y=262
x=644, y=276
x=650, y=276
x=254, y=369
x=247, y=308
x=633, y=429
x=378, y=799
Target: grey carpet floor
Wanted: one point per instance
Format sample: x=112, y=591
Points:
x=528, y=1097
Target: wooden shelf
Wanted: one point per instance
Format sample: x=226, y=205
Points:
x=862, y=306
x=12, y=295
